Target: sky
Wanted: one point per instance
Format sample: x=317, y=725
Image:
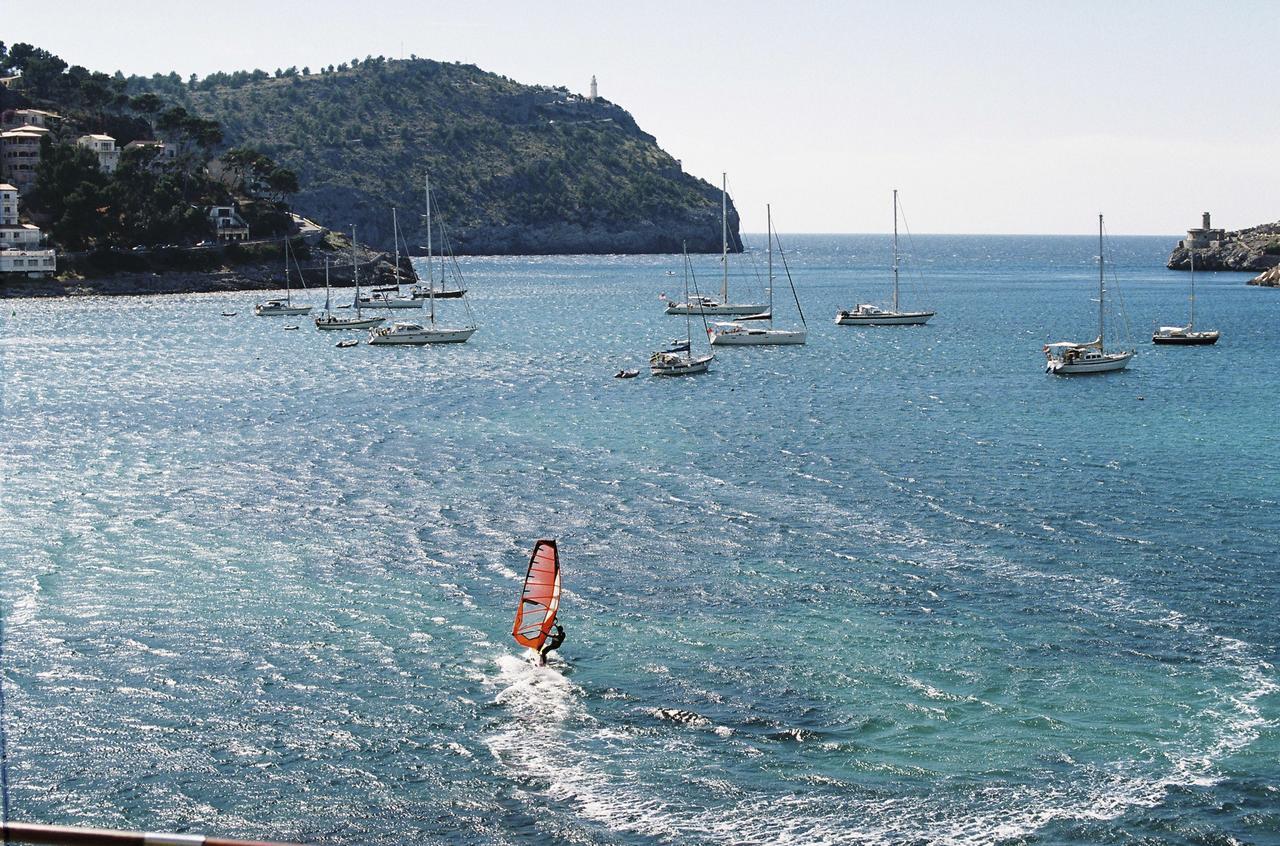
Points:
x=988, y=117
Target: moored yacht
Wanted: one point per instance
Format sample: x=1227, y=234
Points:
x=758, y=329
x=698, y=304
x=866, y=314
x=402, y=332
x=1069, y=358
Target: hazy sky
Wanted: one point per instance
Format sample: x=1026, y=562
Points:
x=990, y=117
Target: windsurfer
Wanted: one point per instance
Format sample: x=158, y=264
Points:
x=553, y=641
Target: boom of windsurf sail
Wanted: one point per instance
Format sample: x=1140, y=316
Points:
x=540, y=599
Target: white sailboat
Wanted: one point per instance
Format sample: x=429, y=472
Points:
x=331, y=321
x=391, y=296
x=1068, y=358
x=698, y=304
x=285, y=307
x=747, y=331
x=866, y=314
x=418, y=334
x=678, y=359
x=1188, y=335
x=428, y=290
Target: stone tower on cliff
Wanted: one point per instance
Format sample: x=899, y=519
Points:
x=592, y=96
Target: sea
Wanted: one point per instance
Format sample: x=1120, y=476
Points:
x=895, y=586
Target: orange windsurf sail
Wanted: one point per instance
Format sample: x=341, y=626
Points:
x=536, y=613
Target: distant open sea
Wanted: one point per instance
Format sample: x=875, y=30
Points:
x=896, y=586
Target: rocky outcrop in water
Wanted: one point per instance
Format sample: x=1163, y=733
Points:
x=1252, y=249
x=1267, y=279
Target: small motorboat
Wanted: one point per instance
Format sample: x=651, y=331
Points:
x=349, y=342
x=290, y=328
x=229, y=313
x=626, y=374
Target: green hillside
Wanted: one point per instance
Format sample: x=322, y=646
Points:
x=514, y=168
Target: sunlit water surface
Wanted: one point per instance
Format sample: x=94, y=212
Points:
x=894, y=586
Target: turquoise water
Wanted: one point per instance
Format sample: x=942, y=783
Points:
x=894, y=586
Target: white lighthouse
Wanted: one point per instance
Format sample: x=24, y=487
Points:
x=592, y=96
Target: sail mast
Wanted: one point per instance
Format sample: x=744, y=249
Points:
x=1101, y=287
x=768, y=216
x=688, y=318
x=1191, y=324
x=724, y=238
x=431, y=277
x=288, y=299
x=395, y=235
x=895, y=249
x=327, y=309
x=355, y=269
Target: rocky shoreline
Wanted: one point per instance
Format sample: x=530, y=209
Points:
x=1248, y=250
x=81, y=278
x=1268, y=278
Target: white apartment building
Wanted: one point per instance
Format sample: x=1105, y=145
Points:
x=20, y=155
x=104, y=146
x=20, y=242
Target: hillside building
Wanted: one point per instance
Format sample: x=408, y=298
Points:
x=1205, y=236
x=16, y=118
x=160, y=152
x=228, y=225
x=104, y=147
x=20, y=155
x=20, y=242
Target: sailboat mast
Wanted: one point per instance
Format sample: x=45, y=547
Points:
x=688, y=317
x=1191, y=324
x=288, y=299
x=327, y=309
x=1101, y=287
x=724, y=237
x=395, y=235
x=895, y=249
x=430, y=273
x=768, y=216
x=355, y=269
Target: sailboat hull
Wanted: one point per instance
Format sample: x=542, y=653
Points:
x=421, y=337
x=885, y=318
x=424, y=295
x=744, y=336
x=717, y=308
x=676, y=366
x=340, y=323
x=280, y=311
x=1186, y=339
x=390, y=302
x=1105, y=363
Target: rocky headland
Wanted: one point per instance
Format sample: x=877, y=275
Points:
x=1254, y=249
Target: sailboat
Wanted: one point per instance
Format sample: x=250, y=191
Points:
x=390, y=297
x=428, y=290
x=285, y=307
x=866, y=314
x=1068, y=358
x=1187, y=335
x=678, y=359
x=329, y=320
x=698, y=304
x=746, y=331
x=418, y=334
x=540, y=597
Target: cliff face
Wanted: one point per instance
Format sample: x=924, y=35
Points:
x=514, y=168
x=1252, y=249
